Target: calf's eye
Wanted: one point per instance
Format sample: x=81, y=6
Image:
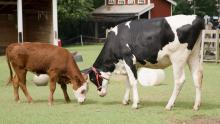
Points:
x=83, y=91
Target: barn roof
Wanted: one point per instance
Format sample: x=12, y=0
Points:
x=172, y=2
x=119, y=13
x=125, y=9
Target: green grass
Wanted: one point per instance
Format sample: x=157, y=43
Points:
x=109, y=110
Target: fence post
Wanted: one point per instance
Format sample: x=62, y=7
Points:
x=20, y=21
x=217, y=46
x=81, y=39
x=202, y=47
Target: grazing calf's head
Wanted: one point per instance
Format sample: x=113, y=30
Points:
x=81, y=88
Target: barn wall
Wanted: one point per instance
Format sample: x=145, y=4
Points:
x=37, y=25
x=38, y=28
x=162, y=8
x=8, y=30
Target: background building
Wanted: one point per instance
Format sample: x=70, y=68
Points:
x=27, y=20
x=116, y=11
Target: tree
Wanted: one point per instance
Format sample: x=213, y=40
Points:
x=71, y=14
x=74, y=17
x=74, y=9
x=183, y=7
x=98, y=3
x=206, y=7
x=202, y=7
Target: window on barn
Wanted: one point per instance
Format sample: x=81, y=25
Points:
x=121, y=1
x=111, y=1
x=130, y=1
x=141, y=1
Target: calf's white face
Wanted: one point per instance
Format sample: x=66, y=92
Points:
x=81, y=92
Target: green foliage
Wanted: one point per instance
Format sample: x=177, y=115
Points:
x=75, y=17
x=182, y=7
x=74, y=9
x=98, y=3
x=206, y=7
x=202, y=7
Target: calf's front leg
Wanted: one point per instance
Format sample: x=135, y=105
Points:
x=64, y=88
x=127, y=92
x=52, y=76
x=132, y=75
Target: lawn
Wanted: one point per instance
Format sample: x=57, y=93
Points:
x=109, y=110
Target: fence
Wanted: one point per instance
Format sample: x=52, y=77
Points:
x=210, y=46
x=83, y=39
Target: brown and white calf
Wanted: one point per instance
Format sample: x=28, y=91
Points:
x=42, y=58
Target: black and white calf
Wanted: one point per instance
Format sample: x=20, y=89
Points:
x=155, y=43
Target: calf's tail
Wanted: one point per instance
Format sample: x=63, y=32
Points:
x=9, y=65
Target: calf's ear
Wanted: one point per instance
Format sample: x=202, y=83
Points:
x=86, y=71
x=85, y=76
x=74, y=53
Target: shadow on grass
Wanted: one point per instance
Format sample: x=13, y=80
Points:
x=59, y=101
x=62, y=101
x=207, y=106
x=179, y=104
x=143, y=104
x=112, y=103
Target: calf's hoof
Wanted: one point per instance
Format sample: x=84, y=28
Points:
x=168, y=108
x=125, y=102
x=30, y=101
x=68, y=101
x=18, y=101
x=50, y=103
x=135, y=106
x=196, y=108
x=81, y=103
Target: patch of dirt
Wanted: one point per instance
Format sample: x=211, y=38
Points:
x=203, y=120
x=198, y=119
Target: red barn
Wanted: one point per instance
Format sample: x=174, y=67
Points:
x=116, y=11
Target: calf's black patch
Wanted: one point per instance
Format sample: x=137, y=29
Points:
x=190, y=33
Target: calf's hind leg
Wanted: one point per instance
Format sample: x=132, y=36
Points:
x=16, y=87
x=179, y=78
x=21, y=77
x=197, y=74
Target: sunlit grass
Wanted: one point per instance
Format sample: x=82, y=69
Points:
x=109, y=110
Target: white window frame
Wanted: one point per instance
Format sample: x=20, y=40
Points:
x=120, y=2
x=141, y=1
x=131, y=1
x=111, y=1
